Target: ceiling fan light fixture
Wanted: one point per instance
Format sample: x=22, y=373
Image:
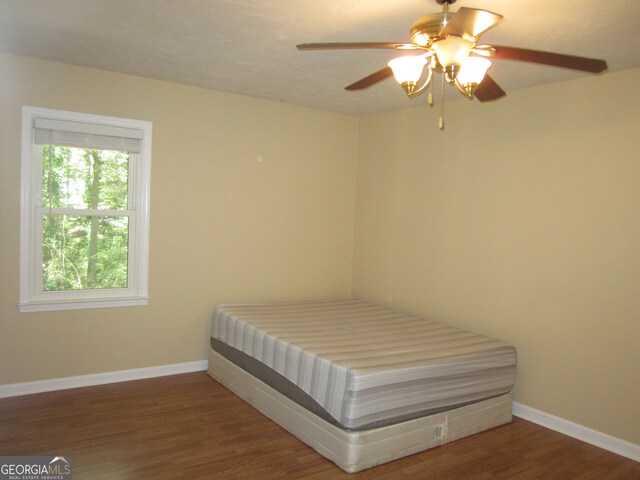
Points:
x=473, y=70
x=452, y=53
x=408, y=70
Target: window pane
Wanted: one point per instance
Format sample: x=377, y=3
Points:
x=84, y=252
x=84, y=178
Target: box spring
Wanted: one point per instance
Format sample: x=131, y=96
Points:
x=357, y=450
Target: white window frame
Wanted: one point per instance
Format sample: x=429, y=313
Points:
x=32, y=297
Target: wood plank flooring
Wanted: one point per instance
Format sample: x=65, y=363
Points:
x=191, y=427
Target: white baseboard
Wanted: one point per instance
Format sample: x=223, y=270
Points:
x=26, y=388
x=599, y=439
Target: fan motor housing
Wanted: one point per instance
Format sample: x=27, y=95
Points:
x=426, y=29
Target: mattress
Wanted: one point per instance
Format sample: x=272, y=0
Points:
x=364, y=366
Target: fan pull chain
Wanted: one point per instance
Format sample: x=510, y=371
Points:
x=430, y=94
x=441, y=119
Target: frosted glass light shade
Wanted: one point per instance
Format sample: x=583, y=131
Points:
x=473, y=70
x=453, y=51
x=408, y=69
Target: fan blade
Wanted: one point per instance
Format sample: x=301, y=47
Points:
x=583, y=64
x=486, y=51
x=470, y=22
x=489, y=90
x=355, y=45
x=371, y=79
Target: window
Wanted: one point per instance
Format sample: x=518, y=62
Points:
x=85, y=208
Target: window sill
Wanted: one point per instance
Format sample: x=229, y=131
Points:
x=53, y=306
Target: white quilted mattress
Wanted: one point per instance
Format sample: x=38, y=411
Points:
x=363, y=363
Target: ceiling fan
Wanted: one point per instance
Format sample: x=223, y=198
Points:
x=447, y=43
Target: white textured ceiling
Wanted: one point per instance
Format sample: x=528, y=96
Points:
x=248, y=46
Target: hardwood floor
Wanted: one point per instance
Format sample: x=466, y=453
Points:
x=190, y=427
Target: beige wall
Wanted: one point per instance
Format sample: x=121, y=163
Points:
x=521, y=221
x=224, y=227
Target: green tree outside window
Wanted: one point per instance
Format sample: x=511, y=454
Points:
x=86, y=248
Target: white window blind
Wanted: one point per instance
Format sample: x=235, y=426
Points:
x=85, y=135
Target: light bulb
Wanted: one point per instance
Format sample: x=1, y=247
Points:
x=453, y=51
x=408, y=70
x=473, y=71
